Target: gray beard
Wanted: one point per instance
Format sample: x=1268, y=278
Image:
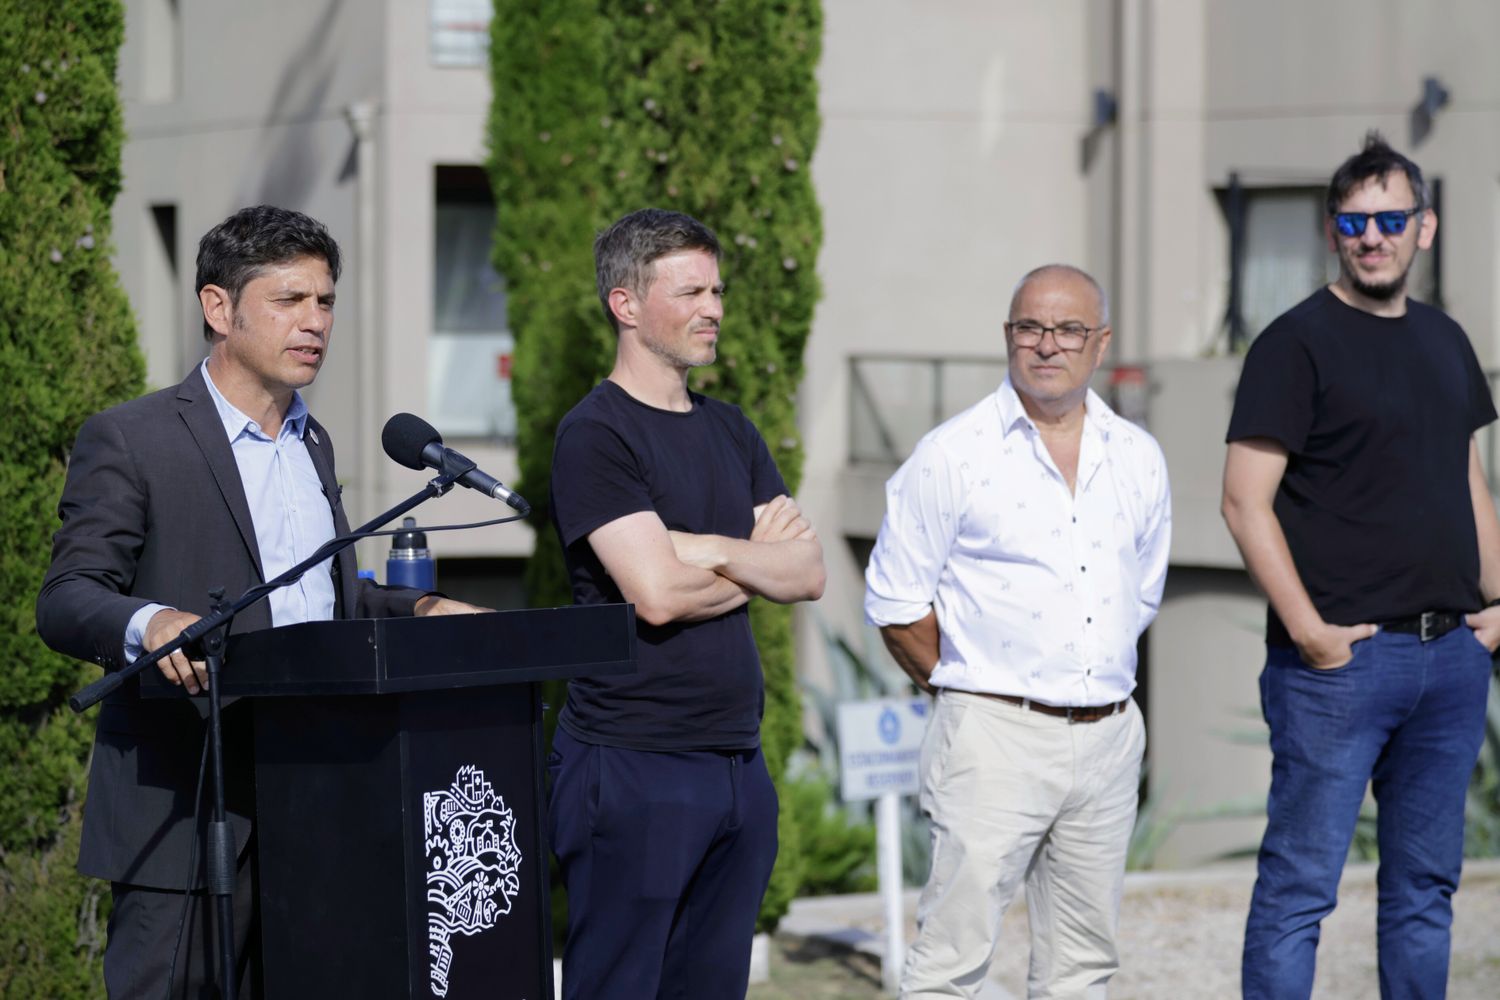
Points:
x=676, y=360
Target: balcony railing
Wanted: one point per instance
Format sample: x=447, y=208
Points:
x=895, y=399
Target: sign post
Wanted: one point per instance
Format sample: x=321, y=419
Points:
x=888, y=851
x=880, y=747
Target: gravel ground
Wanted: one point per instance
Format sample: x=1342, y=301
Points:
x=1180, y=938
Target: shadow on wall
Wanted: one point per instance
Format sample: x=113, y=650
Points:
x=294, y=164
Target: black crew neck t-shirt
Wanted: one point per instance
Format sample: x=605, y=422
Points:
x=697, y=685
x=1376, y=414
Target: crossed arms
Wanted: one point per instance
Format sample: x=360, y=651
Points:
x=675, y=576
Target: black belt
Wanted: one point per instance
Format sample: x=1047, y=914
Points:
x=1427, y=626
x=1088, y=713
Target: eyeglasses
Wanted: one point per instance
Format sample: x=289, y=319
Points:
x=1067, y=336
x=1391, y=223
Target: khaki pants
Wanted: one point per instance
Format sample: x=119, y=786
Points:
x=1014, y=794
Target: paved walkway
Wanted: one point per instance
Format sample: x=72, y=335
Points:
x=1181, y=933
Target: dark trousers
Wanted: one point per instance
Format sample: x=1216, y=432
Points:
x=665, y=856
x=143, y=931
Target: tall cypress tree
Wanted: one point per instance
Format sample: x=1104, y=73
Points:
x=605, y=106
x=67, y=348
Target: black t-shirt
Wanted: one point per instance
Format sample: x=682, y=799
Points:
x=697, y=685
x=1376, y=414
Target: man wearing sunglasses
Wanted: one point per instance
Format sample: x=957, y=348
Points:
x=1023, y=552
x=1354, y=490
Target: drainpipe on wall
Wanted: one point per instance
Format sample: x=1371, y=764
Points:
x=361, y=117
x=1130, y=267
x=1234, y=313
x=1436, y=188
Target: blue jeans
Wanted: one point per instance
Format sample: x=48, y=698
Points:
x=1410, y=716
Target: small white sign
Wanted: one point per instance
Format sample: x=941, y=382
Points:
x=880, y=745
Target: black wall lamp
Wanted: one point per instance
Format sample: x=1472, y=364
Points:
x=1434, y=98
x=1106, y=112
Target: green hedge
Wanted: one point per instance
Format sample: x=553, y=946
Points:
x=602, y=107
x=67, y=348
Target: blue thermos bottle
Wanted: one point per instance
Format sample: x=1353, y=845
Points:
x=410, y=563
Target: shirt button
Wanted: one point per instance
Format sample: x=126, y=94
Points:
x=1088, y=621
x=1083, y=569
x=1089, y=672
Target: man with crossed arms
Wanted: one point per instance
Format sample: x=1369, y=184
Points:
x=662, y=812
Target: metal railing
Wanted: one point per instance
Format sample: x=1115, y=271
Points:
x=895, y=399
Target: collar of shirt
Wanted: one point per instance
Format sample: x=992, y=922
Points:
x=237, y=423
x=1098, y=418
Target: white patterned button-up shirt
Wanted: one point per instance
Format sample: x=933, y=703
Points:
x=1039, y=592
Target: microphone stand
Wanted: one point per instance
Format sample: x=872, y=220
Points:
x=220, y=854
x=210, y=633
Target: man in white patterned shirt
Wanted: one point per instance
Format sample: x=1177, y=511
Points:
x=1023, y=552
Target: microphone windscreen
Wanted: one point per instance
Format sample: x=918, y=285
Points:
x=404, y=438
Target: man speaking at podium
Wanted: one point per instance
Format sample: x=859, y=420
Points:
x=662, y=812
x=224, y=480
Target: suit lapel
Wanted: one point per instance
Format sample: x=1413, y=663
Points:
x=344, y=568
x=314, y=438
x=202, y=418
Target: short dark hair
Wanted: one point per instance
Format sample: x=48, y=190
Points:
x=1376, y=159
x=625, y=252
x=233, y=253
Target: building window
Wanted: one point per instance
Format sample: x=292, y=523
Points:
x=162, y=331
x=469, y=363
x=459, y=32
x=1279, y=255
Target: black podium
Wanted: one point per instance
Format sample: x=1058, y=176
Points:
x=400, y=800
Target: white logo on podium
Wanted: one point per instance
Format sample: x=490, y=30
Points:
x=473, y=865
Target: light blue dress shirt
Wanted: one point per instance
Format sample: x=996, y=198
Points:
x=292, y=516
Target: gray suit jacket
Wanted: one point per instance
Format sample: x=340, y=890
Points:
x=154, y=511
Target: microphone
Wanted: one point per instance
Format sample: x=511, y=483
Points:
x=411, y=441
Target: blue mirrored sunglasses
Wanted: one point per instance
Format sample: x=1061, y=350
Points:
x=1391, y=223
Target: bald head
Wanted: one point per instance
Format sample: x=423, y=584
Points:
x=1062, y=276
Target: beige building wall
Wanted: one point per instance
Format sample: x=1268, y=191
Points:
x=961, y=146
